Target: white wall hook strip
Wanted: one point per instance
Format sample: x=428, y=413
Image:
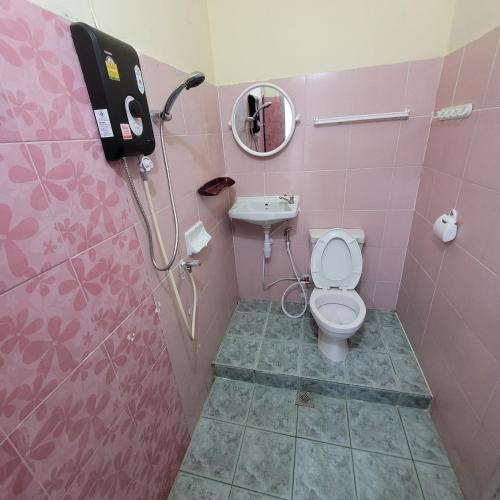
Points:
x=374, y=117
x=454, y=112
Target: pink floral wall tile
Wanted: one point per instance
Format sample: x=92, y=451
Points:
x=113, y=279
x=59, y=438
x=42, y=76
x=16, y=480
x=87, y=195
x=45, y=332
x=9, y=131
x=29, y=240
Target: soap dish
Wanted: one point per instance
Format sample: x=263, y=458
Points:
x=215, y=186
x=197, y=238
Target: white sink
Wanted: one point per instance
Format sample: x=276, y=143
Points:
x=264, y=210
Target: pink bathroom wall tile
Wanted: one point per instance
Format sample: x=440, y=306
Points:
x=279, y=183
x=458, y=280
x=188, y=161
x=484, y=312
x=212, y=209
x=371, y=259
x=366, y=290
x=42, y=77
x=290, y=159
x=385, y=296
x=492, y=94
x=404, y=188
x=371, y=221
x=426, y=247
x=412, y=141
x=215, y=155
x=134, y=347
x=17, y=482
x=329, y=94
x=449, y=76
x=248, y=184
x=397, y=228
x=449, y=145
x=160, y=80
x=424, y=192
x=327, y=148
x=9, y=131
x=113, y=279
x=368, y=189
x=475, y=69
x=402, y=306
x=391, y=264
x=491, y=257
x=250, y=286
x=421, y=294
x=445, y=190
x=59, y=438
x=373, y=144
x=31, y=242
x=228, y=94
x=87, y=195
x=410, y=270
x=324, y=190
x=45, y=331
x=327, y=219
x=444, y=324
x=483, y=460
x=295, y=87
x=212, y=116
x=491, y=420
x=379, y=89
x=422, y=85
x=482, y=165
x=476, y=370
x=201, y=110
x=477, y=208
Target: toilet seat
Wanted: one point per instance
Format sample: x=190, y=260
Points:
x=336, y=261
x=340, y=312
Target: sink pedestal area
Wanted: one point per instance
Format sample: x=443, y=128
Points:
x=264, y=211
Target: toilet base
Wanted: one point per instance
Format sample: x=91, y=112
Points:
x=333, y=348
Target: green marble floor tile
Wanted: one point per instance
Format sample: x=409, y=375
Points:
x=438, y=483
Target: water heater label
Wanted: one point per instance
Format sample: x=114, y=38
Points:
x=140, y=81
x=126, y=132
x=112, y=69
x=103, y=122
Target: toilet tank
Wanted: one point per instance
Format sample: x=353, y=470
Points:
x=357, y=234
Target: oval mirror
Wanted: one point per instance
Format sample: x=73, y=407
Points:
x=263, y=119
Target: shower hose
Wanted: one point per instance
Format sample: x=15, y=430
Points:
x=297, y=282
x=190, y=325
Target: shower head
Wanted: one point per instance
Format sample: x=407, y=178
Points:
x=193, y=80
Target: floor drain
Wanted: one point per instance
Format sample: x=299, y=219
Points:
x=304, y=399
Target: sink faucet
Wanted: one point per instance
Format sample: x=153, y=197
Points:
x=290, y=198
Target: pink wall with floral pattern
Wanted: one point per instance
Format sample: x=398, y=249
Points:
x=449, y=299
x=85, y=412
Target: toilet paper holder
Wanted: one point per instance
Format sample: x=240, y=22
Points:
x=445, y=227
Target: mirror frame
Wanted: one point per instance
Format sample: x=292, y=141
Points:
x=241, y=144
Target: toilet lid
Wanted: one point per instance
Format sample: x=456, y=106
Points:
x=336, y=261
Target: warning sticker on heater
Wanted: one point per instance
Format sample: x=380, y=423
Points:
x=103, y=122
x=112, y=69
x=126, y=132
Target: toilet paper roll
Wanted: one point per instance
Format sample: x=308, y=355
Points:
x=445, y=227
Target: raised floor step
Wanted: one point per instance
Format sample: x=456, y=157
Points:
x=264, y=346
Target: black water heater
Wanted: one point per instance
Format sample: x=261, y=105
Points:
x=116, y=88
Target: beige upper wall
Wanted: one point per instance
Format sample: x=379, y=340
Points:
x=173, y=31
x=266, y=39
x=473, y=18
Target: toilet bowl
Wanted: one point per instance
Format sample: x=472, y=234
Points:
x=336, y=265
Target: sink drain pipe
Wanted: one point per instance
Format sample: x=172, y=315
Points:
x=297, y=281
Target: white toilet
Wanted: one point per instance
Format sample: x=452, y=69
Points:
x=336, y=265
